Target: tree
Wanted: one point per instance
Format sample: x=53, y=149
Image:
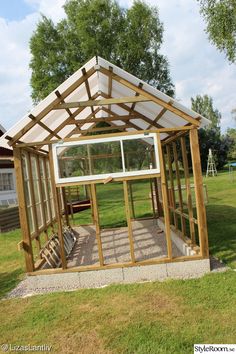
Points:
x=220, y=16
x=210, y=137
x=204, y=106
x=220, y=145
x=130, y=38
x=231, y=133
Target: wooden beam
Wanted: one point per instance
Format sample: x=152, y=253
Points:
x=56, y=195
x=49, y=107
x=153, y=98
x=127, y=212
x=160, y=114
x=44, y=126
x=101, y=129
x=101, y=102
x=67, y=120
x=96, y=220
x=139, y=130
x=104, y=119
x=199, y=194
x=110, y=84
x=188, y=189
x=138, y=114
x=165, y=198
x=80, y=123
x=178, y=180
x=28, y=251
x=172, y=187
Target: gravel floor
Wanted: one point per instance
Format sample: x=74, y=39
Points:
x=149, y=243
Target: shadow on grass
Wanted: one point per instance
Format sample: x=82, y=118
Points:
x=222, y=232
x=9, y=281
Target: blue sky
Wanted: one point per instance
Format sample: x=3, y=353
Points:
x=196, y=66
x=15, y=9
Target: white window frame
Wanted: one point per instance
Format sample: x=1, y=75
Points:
x=8, y=171
x=91, y=178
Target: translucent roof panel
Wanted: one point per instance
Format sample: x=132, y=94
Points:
x=94, y=79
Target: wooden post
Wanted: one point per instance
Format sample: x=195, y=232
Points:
x=65, y=206
x=152, y=199
x=172, y=184
x=131, y=199
x=159, y=206
x=56, y=193
x=183, y=224
x=127, y=212
x=28, y=251
x=32, y=193
x=164, y=198
x=199, y=194
x=188, y=189
x=96, y=221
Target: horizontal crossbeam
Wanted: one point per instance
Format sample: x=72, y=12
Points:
x=102, y=102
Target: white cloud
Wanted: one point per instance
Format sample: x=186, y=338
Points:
x=15, y=89
x=196, y=66
x=53, y=8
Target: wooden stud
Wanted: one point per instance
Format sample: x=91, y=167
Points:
x=165, y=198
x=32, y=193
x=28, y=251
x=96, y=220
x=152, y=199
x=129, y=224
x=131, y=199
x=199, y=194
x=188, y=189
x=172, y=187
x=178, y=181
x=55, y=192
x=66, y=206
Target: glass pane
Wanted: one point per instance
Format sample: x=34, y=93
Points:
x=89, y=159
x=39, y=215
x=105, y=157
x=139, y=154
x=30, y=219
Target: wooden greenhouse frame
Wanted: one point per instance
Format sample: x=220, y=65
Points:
x=102, y=92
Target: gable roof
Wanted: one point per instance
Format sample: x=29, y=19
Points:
x=65, y=112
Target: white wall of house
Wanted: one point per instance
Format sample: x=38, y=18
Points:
x=8, y=194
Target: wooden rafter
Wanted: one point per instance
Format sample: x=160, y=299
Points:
x=138, y=114
x=67, y=120
x=49, y=107
x=45, y=127
x=86, y=82
x=81, y=122
x=102, y=102
x=160, y=114
x=130, y=124
x=110, y=83
x=153, y=98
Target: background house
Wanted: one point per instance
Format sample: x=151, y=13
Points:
x=7, y=176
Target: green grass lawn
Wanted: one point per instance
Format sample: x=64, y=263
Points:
x=147, y=318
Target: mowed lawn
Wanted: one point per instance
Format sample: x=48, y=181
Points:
x=166, y=317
